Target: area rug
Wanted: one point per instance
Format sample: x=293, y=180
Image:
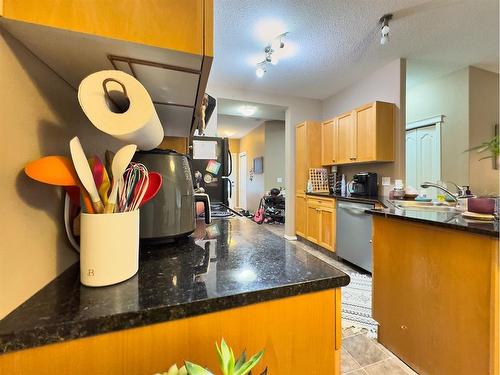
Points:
x=357, y=304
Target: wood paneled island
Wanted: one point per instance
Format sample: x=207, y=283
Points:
x=435, y=291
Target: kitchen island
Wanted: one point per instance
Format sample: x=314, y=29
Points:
x=435, y=290
x=231, y=279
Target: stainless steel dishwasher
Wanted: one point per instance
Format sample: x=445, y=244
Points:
x=354, y=233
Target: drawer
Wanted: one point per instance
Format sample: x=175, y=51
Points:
x=320, y=202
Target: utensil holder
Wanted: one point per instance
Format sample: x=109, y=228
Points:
x=109, y=247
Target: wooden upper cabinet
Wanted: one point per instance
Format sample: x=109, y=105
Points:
x=363, y=135
x=364, y=118
x=307, y=152
x=346, y=141
x=374, y=132
x=329, y=142
x=179, y=25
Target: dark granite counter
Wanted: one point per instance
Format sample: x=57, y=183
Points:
x=351, y=198
x=227, y=264
x=452, y=220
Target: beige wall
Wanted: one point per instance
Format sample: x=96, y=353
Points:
x=39, y=113
x=483, y=115
x=447, y=95
x=386, y=84
x=274, y=158
x=253, y=144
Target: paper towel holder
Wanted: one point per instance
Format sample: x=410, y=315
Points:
x=120, y=100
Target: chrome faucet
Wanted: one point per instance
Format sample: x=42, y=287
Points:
x=426, y=185
x=461, y=190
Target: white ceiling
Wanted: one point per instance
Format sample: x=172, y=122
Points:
x=230, y=122
x=336, y=41
x=235, y=126
x=262, y=111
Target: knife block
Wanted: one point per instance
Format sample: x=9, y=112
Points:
x=109, y=248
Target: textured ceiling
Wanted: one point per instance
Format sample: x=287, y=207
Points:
x=335, y=42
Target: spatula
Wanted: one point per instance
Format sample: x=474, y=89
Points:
x=155, y=181
x=59, y=171
x=121, y=160
x=84, y=172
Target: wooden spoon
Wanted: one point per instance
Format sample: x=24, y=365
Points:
x=82, y=168
x=121, y=160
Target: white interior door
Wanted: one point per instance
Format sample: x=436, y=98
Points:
x=232, y=178
x=423, y=155
x=242, y=180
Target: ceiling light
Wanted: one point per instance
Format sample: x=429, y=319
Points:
x=273, y=52
x=279, y=41
x=267, y=29
x=259, y=72
x=384, y=30
x=247, y=110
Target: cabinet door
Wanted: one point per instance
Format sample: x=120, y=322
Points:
x=327, y=142
x=346, y=150
x=177, y=24
x=327, y=228
x=300, y=215
x=366, y=133
x=301, y=158
x=313, y=223
x=335, y=139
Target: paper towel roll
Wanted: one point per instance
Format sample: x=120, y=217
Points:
x=132, y=120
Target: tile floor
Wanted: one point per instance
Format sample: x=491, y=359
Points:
x=360, y=354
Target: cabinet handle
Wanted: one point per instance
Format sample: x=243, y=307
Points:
x=351, y=158
x=404, y=328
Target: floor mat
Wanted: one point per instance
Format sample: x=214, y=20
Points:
x=357, y=304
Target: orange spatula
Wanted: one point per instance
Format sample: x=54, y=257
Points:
x=59, y=171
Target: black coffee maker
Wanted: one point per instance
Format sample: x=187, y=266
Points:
x=364, y=184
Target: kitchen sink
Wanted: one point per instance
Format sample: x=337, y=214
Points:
x=425, y=206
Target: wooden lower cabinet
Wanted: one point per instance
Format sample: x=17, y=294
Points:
x=313, y=222
x=300, y=215
x=320, y=221
x=300, y=335
x=327, y=228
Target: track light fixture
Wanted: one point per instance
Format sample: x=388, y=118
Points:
x=384, y=29
x=270, y=54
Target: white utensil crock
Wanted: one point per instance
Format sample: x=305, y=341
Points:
x=109, y=247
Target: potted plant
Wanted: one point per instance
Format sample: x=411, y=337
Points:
x=228, y=363
x=491, y=146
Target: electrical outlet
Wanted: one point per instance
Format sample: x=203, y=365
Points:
x=279, y=179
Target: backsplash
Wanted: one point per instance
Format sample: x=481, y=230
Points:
x=40, y=114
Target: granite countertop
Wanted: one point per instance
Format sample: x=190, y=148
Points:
x=226, y=264
x=453, y=220
x=351, y=198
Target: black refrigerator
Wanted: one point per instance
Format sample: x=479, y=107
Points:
x=211, y=166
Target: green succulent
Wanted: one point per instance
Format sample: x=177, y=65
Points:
x=228, y=363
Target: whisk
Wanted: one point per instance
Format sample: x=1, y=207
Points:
x=132, y=187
